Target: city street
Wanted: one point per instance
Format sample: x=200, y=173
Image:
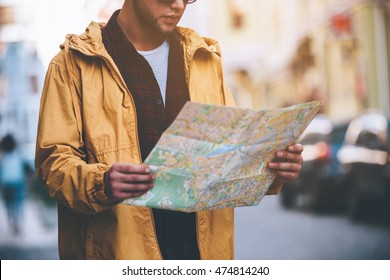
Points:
x=38, y=239
x=266, y=231
x=275, y=54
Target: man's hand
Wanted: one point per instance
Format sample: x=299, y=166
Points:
x=124, y=181
x=287, y=163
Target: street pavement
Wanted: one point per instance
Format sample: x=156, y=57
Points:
x=269, y=232
x=263, y=232
x=38, y=238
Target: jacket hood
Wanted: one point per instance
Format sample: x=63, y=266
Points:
x=90, y=42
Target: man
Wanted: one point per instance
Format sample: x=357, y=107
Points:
x=108, y=96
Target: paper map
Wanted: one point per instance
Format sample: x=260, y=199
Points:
x=216, y=156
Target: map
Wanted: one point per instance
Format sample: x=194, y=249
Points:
x=215, y=156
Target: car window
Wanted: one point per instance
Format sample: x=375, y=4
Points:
x=369, y=140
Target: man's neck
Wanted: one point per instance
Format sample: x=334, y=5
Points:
x=142, y=37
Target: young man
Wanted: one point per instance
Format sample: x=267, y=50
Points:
x=108, y=96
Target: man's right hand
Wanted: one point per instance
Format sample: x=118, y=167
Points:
x=124, y=181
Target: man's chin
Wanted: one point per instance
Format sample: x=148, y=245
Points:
x=166, y=31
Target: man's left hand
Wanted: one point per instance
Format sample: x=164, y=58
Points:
x=287, y=163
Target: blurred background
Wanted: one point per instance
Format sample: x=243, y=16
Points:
x=276, y=53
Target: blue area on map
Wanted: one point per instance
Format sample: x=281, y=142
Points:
x=223, y=149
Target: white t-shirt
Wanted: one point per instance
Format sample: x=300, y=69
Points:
x=158, y=61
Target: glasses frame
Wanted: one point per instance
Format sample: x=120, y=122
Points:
x=171, y=1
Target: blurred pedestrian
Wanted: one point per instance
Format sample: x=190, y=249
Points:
x=12, y=182
x=108, y=96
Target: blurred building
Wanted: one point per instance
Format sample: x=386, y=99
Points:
x=275, y=52
x=30, y=35
x=21, y=76
x=288, y=51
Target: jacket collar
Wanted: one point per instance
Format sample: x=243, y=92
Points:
x=90, y=42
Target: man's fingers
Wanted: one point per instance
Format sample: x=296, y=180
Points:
x=123, y=181
x=285, y=171
x=285, y=166
x=122, y=191
x=295, y=148
x=287, y=163
x=129, y=188
x=285, y=175
x=131, y=178
x=130, y=168
x=285, y=156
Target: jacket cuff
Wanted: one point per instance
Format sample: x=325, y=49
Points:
x=99, y=193
x=275, y=188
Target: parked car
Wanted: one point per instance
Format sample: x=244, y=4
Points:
x=364, y=158
x=319, y=184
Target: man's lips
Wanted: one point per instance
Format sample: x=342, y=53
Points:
x=171, y=19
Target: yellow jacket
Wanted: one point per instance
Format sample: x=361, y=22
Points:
x=88, y=122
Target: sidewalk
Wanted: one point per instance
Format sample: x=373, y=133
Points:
x=38, y=239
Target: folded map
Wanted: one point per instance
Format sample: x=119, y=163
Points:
x=216, y=156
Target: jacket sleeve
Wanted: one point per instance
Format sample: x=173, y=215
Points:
x=60, y=160
x=275, y=188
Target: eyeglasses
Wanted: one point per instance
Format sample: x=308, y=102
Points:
x=171, y=1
